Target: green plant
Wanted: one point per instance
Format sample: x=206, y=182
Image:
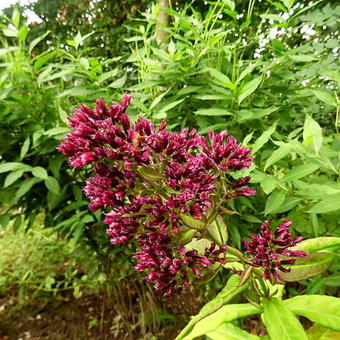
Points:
x=37, y=263
x=268, y=75
x=36, y=93
x=168, y=191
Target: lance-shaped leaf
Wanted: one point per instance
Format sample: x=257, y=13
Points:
x=317, y=332
x=228, y=292
x=280, y=322
x=217, y=231
x=150, y=173
x=328, y=244
x=226, y=313
x=306, y=267
x=186, y=235
x=324, y=310
x=192, y=222
x=198, y=244
x=231, y=332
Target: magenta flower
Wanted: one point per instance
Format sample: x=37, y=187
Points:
x=146, y=178
x=168, y=266
x=268, y=250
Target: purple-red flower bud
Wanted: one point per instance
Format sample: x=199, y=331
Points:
x=267, y=250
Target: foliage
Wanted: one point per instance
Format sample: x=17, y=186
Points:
x=38, y=262
x=65, y=18
x=168, y=191
x=36, y=93
x=278, y=313
x=266, y=71
x=253, y=71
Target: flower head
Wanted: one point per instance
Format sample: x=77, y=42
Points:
x=146, y=178
x=268, y=250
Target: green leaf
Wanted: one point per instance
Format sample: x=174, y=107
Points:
x=4, y=220
x=39, y=172
x=186, y=235
x=75, y=92
x=318, y=332
x=150, y=173
x=47, y=76
x=302, y=58
x=217, y=231
x=288, y=204
x=312, y=133
x=171, y=105
x=268, y=184
x=220, y=126
x=213, y=112
x=246, y=71
x=330, y=203
x=52, y=185
x=119, y=83
x=228, y=292
x=188, y=89
x=319, y=244
x=10, y=166
x=25, y=148
x=43, y=58
x=107, y=75
x=221, y=78
x=300, y=171
x=6, y=50
x=25, y=186
x=245, y=115
x=306, y=267
x=226, y=313
x=280, y=322
x=248, y=89
x=36, y=41
x=192, y=222
x=323, y=310
x=53, y=200
x=230, y=332
x=12, y=177
x=158, y=99
x=16, y=17
x=326, y=97
x=263, y=139
x=17, y=223
x=22, y=34
x=234, y=231
x=10, y=32
x=57, y=131
x=278, y=154
x=274, y=201
x=198, y=244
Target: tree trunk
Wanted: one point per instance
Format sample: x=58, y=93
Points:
x=162, y=24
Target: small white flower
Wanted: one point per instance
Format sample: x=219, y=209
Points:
x=305, y=82
x=285, y=16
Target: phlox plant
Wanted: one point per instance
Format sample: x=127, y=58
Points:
x=168, y=192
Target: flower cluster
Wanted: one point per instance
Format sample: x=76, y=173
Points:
x=146, y=178
x=269, y=250
x=166, y=265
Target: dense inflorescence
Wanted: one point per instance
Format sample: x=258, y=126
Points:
x=269, y=250
x=146, y=178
